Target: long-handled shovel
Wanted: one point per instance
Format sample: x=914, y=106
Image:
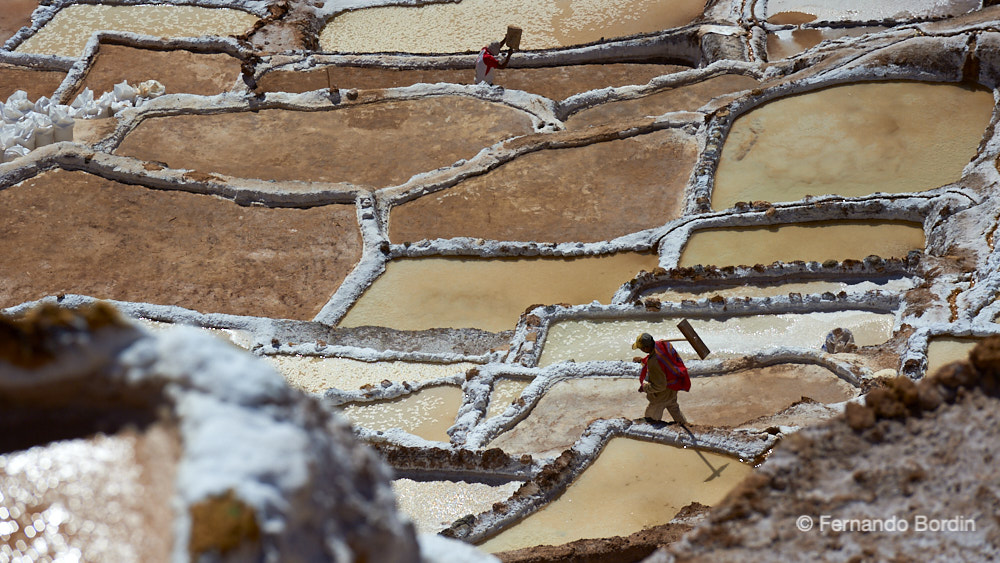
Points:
x=692, y=338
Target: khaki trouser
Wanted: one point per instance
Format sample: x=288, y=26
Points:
x=664, y=400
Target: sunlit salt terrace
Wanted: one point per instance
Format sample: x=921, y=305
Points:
x=421, y=294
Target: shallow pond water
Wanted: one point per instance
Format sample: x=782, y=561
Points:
x=619, y=494
x=470, y=24
x=592, y=340
x=818, y=241
x=489, y=294
x=428, y=413
x=852, y=140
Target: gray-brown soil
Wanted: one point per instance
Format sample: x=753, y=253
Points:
x=684, y=98
x=73, y=232
x=378, y=144
x=36, y=83
x=15, y=14
x=559, y=195
x=180, y=71
x=874, y=488
x=556, y=83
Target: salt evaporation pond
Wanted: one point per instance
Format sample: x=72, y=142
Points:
x=898, y=285
x=632, y=485
x=728, y=399
x=505, y=392
x=434, y=505
x=68, y=32
x=90, y=499
x=789, y=42
x=943, y=350
x=316, y=375
x=427, y=413
x=866, y=10
x=817, y=241
x=489, y=294
x=852, y=140
x=470, y=24
x=595, y=340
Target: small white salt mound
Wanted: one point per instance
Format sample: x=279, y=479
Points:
x=33, y=125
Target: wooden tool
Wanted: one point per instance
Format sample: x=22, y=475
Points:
x=692, y=338
x=513, y=37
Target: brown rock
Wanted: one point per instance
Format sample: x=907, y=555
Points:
x=859, y=417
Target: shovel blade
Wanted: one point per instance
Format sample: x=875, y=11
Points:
x=693, y=339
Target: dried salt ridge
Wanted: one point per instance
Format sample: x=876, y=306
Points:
x=907, y=465
x=956, y=216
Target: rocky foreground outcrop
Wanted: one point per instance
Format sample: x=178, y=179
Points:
x=199, y=452
x=909, y=476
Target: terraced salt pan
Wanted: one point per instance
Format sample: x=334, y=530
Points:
x=470, y=24
x=817, y=241
x=775, y=289
x=683, y=98
x=943, y=350
x=729, y=399
x=80, y=233
x=489, y=294
x=434, y=505
x=594, y=340
x=505, y=392
x=785, y=43
x=90, y=499
x=865, y=10
x=428, y=413
x=282, y=145
x=68, y=32
x=316, y=375
x=621, y=493
x=852, y=140
x=560, y=195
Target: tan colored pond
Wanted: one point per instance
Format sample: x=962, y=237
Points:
x=281, y=144
x=943, y=350
x=505, y=392
x=180, y=71
x=852, y=140
x=619, y=494
x=775, y=289
x=471, y=24
x=489, y=294
x=428, y=413
x=786, y=43
x=593, y=340
x=866, y=10
x=90, y=499
x=316, y=375
x=434, y=505
x=730, y=399
x=818, y=241
x=68, y=32
x=561, y=195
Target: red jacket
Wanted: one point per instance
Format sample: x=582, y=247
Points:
x=671, y=364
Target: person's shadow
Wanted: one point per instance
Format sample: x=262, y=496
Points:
x=716, y=472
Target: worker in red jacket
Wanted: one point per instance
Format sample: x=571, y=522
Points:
x=663, y=375
x=487, y=61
